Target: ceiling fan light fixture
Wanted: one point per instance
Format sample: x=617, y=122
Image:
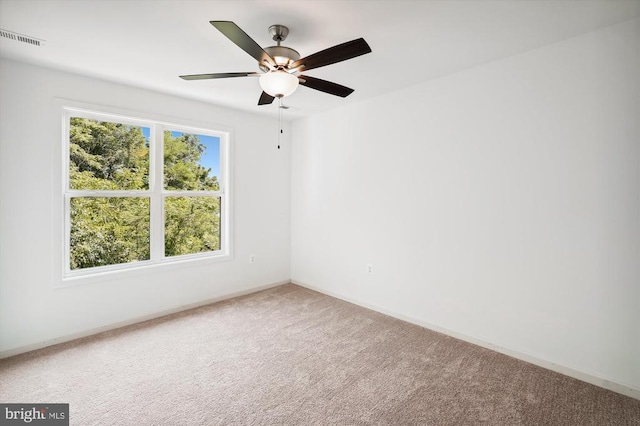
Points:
x=281, y=65
x=278, y=83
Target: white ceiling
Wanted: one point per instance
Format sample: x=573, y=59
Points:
x=148, y=43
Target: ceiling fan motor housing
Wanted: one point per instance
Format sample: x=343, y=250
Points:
x=282, y=55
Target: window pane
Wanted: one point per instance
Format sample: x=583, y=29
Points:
x=191, y=162
x=105, y=155
x=192, y=225
x=108, y=231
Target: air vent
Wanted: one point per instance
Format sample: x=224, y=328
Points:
x=21, y=37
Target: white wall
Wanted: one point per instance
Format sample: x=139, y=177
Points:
x=31, y=309
x=501, y=203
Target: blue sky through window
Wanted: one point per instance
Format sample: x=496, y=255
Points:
x=210, y=158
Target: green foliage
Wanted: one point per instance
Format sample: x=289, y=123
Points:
x=181, y=169
x=109, y=155
x=192, y=225
x=108, y=231
x=114, y=230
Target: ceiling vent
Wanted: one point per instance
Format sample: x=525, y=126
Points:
x=21, y=37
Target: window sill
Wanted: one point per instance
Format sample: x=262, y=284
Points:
x=140, y=268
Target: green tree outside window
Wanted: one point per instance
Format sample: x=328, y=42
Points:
x=107, y=156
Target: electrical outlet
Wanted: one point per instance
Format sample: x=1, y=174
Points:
x=369, y=268
x=252, y=258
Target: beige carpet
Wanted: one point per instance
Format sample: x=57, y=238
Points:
x=293, y=356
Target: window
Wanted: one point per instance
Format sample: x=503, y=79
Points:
x=139, y=192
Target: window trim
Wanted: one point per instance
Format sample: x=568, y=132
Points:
x=155, y=192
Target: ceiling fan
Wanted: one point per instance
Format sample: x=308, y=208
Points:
x=281, y=66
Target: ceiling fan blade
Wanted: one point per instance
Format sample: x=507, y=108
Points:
x=339, y=53
x=325, y=86
x=243, y=41
x=265, y=99
x=218, y=75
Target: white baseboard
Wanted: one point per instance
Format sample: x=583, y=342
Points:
x=567, y=371
x=39, y=345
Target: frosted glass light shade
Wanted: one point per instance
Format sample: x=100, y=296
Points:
x=278, y=83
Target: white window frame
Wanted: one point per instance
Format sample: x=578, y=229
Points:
x=156, y=192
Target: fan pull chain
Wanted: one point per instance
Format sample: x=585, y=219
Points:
x=279, y=119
